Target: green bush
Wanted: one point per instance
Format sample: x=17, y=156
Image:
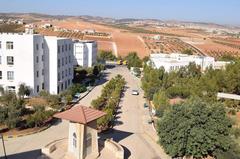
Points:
x=39, y=118
x=108, y=101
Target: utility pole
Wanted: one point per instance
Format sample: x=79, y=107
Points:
x=4, y=150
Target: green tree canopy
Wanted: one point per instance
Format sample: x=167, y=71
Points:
x=161, y=102
x=106, y=55
x=133, y=60
x=195, y=128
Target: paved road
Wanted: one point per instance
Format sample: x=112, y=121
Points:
x=132, y=121
x=130, y=129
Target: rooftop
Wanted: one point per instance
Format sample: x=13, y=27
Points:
x=80, y=114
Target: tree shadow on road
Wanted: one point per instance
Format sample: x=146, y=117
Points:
x=25, y=155
x=116, y=135
x=117, y=123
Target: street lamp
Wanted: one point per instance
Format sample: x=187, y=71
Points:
x=4, y=150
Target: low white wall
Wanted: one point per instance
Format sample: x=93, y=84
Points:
x=115, y=148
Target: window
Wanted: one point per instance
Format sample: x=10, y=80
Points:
x=74, y=140
x=62, y=48
x=69, y=71
x=66, y=73
x=37, y=59
x=62, y=74
x=0, y=74
x=37, y=74
x=69, y=82
x=59, y=76
x=43, y=72
x=89, y=143
x=62, y=86
x=62, y=61
x=10, y=60
x=65, y=84
x=69, y=58
x=37, y=47
x=42, y=58
x=42, y=45
x=66, y=60
x=11, y=88
x=9, y=45
x=59, y=50
x=69, y=47
x=37, y=88
x=43, y=86
x=59, y=63
x=65, y=47
x=10, y=75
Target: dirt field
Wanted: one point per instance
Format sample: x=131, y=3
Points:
x=125, y=42
x=122, y=42
x=217, y=50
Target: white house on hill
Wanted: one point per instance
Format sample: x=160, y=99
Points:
x=174, y=61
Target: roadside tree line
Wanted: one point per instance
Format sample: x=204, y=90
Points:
x=200, y=126
x=109, y=100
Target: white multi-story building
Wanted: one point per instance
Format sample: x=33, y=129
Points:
x=41, y=62
x=85, y=53
x=174, y=61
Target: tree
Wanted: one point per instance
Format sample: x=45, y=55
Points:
x=146, y=59
x=77, y=88
x=137, y=71
x=1, y=90
x=232, y=78
x=23, y=90
x=95, y=71
x=152, y=81
x=227, y=57
x=13, y=110
x=161, y=102
x=133, y=60
x=39, y=117
x=193, y=70
x=106, y=55
x=188, y=51
x=196, y=129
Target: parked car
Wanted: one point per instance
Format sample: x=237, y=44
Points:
x=135, y=92
x=145, y=105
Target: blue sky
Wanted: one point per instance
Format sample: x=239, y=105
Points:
x=218, y=11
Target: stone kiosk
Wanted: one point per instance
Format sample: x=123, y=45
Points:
x=82, y=137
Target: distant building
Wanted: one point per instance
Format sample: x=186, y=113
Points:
x=157, y=37
x=85, y=53
x=89, y=31
x=41, y=62
x=174, y=61
x=47, y=25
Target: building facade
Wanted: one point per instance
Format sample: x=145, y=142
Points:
x=174, y=61
x=85, y=53
x=36, y=61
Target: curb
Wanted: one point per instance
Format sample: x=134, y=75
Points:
x=21, y=135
